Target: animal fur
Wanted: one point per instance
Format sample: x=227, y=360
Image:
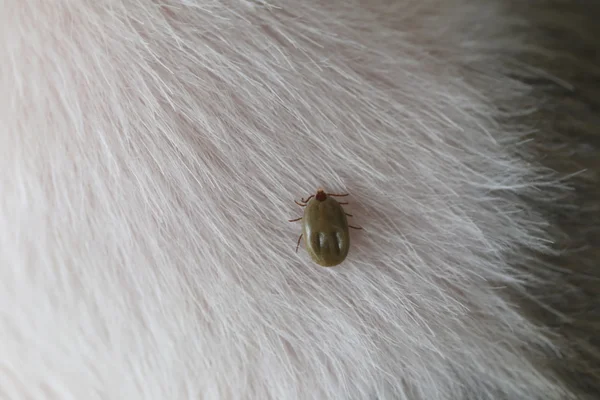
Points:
x=150, y=153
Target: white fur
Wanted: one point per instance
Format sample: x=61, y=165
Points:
x=150, y=154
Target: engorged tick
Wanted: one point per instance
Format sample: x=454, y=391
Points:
x=325, y=228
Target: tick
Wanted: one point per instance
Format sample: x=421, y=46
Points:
x=325, y=228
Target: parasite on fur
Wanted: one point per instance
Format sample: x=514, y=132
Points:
x=325, y=228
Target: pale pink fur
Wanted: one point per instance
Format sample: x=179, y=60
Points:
x=150, y=153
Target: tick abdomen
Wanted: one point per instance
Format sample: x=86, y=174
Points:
x=325, y=230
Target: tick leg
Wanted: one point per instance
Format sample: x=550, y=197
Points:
x=301, y=205
x=337, y=195
x=294, y=220
x=306, y=201
x=298, y=245
x=348, y=214
x=354, y=227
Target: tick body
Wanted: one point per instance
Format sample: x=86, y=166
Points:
x=325, y=229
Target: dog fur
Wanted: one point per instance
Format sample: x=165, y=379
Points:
x=150, y=153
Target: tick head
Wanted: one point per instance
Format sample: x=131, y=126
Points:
x=321, y=195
